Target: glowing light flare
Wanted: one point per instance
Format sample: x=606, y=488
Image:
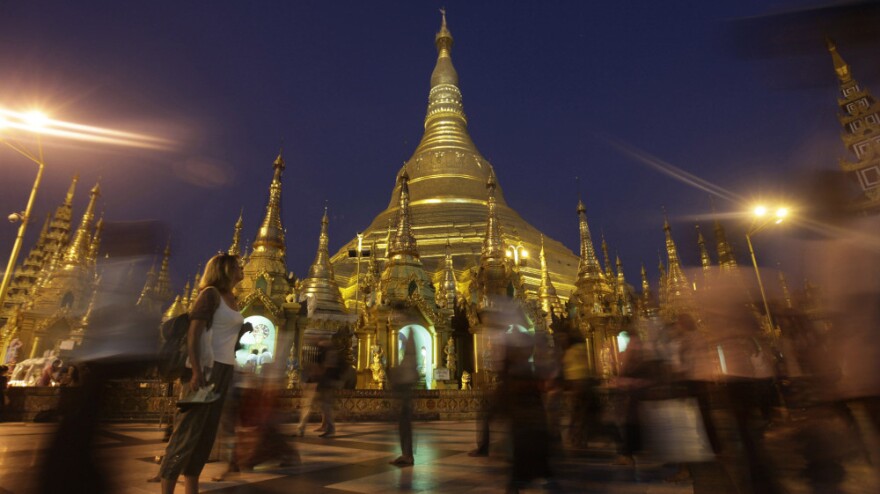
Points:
x=36, y=119
x=39, y=123
x=760, y=211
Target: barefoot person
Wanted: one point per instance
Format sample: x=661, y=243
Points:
x=213, y=331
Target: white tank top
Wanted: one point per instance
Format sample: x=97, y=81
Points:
x=224, y=331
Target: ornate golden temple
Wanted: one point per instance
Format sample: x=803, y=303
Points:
x=443, y=264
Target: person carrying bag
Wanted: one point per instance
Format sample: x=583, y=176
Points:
x=213, y=331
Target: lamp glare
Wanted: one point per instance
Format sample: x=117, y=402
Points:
x=36, y=119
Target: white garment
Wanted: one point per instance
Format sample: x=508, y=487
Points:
x=223, y=334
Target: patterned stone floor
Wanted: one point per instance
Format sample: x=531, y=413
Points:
x=356, y=461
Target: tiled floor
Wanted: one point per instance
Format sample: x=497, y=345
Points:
x=356, y=460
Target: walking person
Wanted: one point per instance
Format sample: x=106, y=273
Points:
x=214, y=326
x=328, y=383
x=309, y=390
x=403, y=377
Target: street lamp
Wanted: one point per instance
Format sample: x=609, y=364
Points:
x=760, y=220
x=36, y=121
x=518, y=252
x=39, y=124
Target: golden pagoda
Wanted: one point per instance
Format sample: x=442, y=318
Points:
x=447, y=177
x=56, y=305
x=860, y=119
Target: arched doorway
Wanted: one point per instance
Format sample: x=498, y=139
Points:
x=257, y=346
x=424, y=345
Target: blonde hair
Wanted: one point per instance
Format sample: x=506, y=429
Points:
x=220, y=272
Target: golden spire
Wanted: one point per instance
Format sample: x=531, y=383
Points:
x=235, y=248
x=403, y=241
x=95, y=245
x=149, y=285
x=678, y=290
x=493, y=249
x=646, y=287
x=319, y=283
x=185, y=299
x=68, y=199
x=624, y=304
x=705, y=260
x=78, y=249
x=163, y=281
x=725, y=253
x=447, y=287
x=589, y=264
x=609, y=274
x=270, y=237
x=547, y=292
x=840, y=66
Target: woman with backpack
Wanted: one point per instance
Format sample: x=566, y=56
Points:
x=213, y=331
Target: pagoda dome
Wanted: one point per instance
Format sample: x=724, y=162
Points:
x=448, y=201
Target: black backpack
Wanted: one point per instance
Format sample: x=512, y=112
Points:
x=174, y=351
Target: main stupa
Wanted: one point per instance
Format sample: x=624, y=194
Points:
x=448, y=198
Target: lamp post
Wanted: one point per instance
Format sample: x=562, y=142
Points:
x=39, y=124
x=36, y=120
x=761, y=220
x=518, y=252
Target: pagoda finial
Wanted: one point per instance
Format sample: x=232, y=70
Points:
x=493, y=248
x=235, y=247
x=447, y=288
x=646, y=287
x=726, y=259
x=403, y=242
x=320, y=284
x=68, y=199
x=149, y=286
x=270, y=237
x=320, y=267
x=678, y=290
x=840, y=66
x=588, y=267
x=79, y=248
x=443, y=39
x=185, y=298
x=550, y=303
x=95, y=244
x=609, y=273
x=705, y=260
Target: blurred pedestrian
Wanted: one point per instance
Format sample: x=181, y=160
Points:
x=403, y=378
x=521, y=388
x=213, y=332
x=307, y=401
x=328, y=383
x=633, y=379
x=259, y=435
